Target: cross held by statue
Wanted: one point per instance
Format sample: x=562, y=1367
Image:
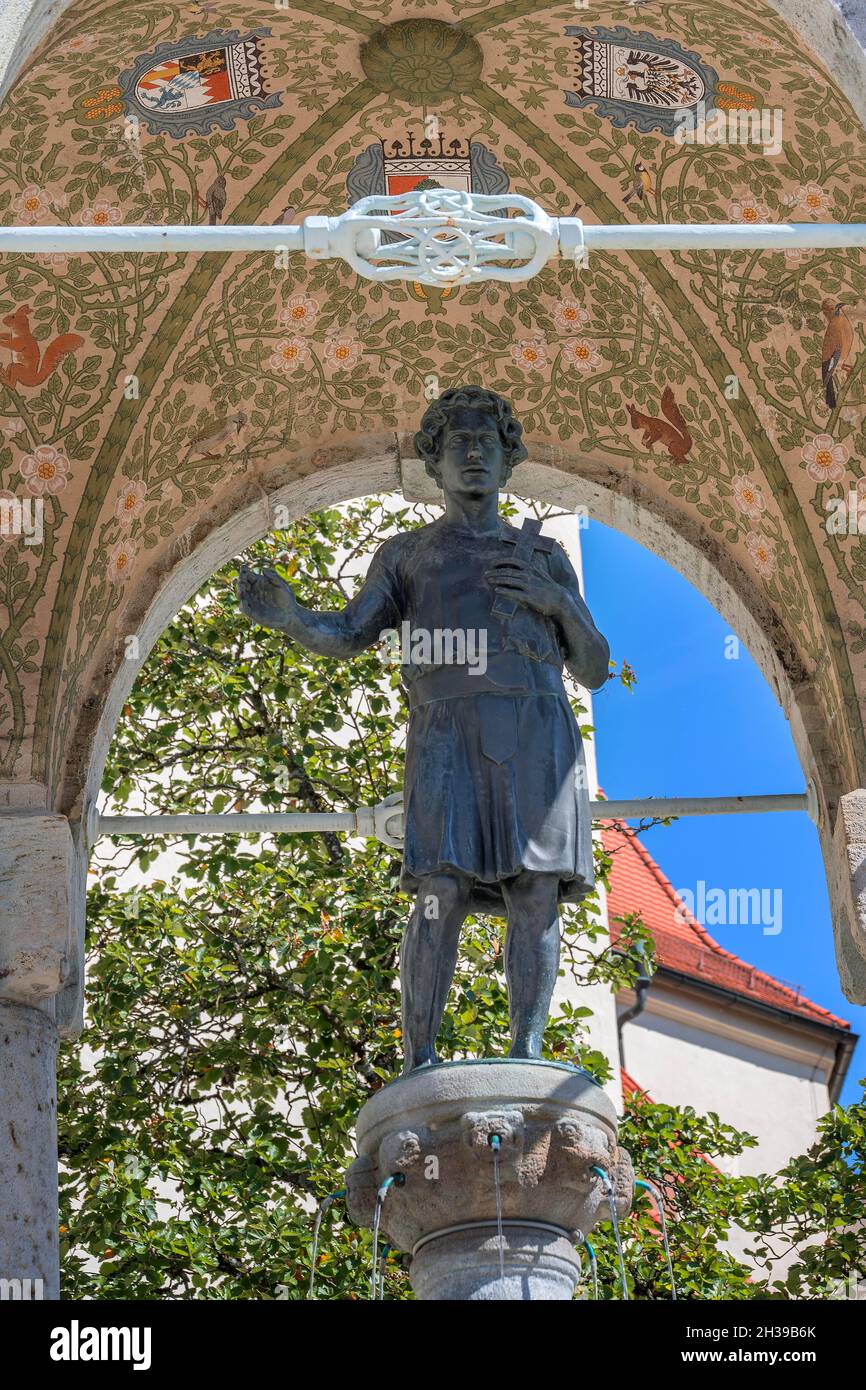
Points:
x=526, y=542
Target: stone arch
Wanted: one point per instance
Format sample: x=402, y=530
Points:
x=820, y=679
x=23, y=26
x=244, y=514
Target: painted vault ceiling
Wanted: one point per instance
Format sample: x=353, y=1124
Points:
x=142, y=396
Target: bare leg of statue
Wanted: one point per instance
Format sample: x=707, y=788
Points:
x=531, y=957
x=428, y=960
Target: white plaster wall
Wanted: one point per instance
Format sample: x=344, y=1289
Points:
x=776, y=1095
x=602, y=1026
x=755, y=1075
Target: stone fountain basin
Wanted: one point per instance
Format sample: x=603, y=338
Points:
x=434, y=1129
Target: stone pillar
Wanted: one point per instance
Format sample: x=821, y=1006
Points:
x=440, y=1129
x=28, y=1153
x=847, y=881
x=38, y=874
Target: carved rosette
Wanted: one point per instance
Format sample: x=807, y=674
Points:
x=435, y=1128
x=422, y=60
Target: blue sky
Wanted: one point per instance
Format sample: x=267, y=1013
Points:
x=701, y=725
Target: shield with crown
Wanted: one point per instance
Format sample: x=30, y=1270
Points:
x=403, y=165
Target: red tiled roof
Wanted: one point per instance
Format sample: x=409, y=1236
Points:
x=630, y=1086
x=682, y=944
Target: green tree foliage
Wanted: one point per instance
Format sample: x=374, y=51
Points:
x=815, y=1209
x=242, y=1001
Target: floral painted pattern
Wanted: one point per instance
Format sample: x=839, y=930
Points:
x=45, y=471
x=825, y=460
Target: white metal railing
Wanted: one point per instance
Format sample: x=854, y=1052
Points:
x=440, y=237
x=385, y=821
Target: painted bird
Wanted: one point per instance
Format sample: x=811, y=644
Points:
x=202, y=8
x=214, y=433
x=838, y=342
x=285, y=217
x=214, y=200
x=643, y=183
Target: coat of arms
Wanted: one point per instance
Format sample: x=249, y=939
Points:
x=195, y=84
x=639, y=79
x=402, y=166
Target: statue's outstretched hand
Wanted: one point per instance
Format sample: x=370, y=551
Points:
x=264, y=597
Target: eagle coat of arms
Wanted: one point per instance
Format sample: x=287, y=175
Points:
x=642, y=80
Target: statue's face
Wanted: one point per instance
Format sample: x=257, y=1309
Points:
x=472, y=456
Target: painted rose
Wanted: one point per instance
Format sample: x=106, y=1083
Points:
x=300, y=312
x=762, y=553
x=45, y=470
x=860, y=505
x=343, y=352
x=825, y=459
x=80, y=43
x=577, y=352
x=748, y=496
x=530, y=354
x=289, y=354
x=130, y=504
x=32, y=204
x=748, y=209
x=768, y=416
x=101, y=213
x=121, y=560
x=813, y=199
x=570, y=316
x=57, y=261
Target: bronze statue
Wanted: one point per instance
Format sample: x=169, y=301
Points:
x=496, y=805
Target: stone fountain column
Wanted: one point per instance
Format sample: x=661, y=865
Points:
x=440, y=1129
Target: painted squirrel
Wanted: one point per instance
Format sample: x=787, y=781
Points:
x=31, y=366
x=675, y=436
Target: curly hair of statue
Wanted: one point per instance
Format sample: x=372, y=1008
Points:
x=428, y=440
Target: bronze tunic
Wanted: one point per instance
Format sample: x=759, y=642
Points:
x=495, y=777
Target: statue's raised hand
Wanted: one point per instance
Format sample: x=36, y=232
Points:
x=264, y=597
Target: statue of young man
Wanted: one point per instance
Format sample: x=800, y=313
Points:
x=496, y=805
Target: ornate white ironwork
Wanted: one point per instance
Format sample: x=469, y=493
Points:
x=439, y=236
